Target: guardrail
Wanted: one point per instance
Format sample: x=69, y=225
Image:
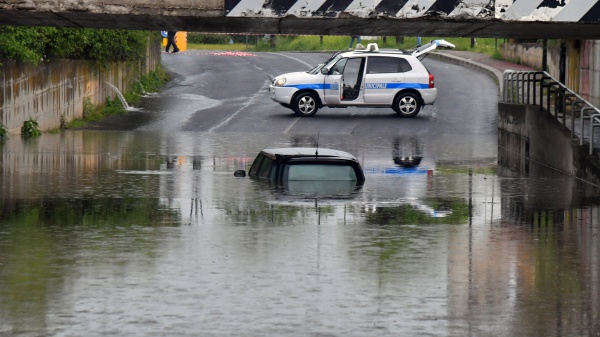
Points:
x=539, y=88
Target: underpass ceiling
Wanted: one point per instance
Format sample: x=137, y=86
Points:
x=553, y=19
x=314, y=26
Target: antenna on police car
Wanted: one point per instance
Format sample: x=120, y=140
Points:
x=317, y=149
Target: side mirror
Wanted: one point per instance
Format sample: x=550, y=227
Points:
x=324, y=71
x=239, y=173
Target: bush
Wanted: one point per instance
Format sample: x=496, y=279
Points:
x=146, y=83
x=33, y=44
x=3, y=132
x=30, y=129
x=198, y=38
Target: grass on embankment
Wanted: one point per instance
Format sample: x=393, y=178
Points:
x=486, y=46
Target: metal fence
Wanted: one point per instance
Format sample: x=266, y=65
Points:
x=539, y=88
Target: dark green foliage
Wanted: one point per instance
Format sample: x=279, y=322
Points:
x=30, y=128
x=250, y=39
x=409, y=215
x=3, y=133
x=146, y=83
x=207, y=38
x=112, y=107
x=33, y=44
x=24, y=44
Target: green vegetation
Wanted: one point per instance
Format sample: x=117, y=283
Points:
x=35, y=44
x=93, y=112
x=225, y=47
x=96, y=212
x=30, y=128
x=146, y=83
x=487, y=46
x=198, y=38
x=409, y=215
x=3, y=132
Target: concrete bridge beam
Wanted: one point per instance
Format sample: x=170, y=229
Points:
x=461, y=18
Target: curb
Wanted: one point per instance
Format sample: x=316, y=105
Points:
x=494, y=73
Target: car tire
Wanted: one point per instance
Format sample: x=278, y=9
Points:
x=305, y=104
x=407, y=105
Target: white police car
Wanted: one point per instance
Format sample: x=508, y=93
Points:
x=369, y=77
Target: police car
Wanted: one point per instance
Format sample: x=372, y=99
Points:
x=367, y=77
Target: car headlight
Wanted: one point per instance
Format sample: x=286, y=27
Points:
x=280, y=82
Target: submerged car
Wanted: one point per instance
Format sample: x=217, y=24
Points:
x=369, y=77
x=302, y=170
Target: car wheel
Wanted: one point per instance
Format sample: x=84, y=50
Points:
x=407, y=105
x=305, y=104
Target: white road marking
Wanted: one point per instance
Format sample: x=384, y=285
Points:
x=291, y=125
x=228, y=119
x=293, y=58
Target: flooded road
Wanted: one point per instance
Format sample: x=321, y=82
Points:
x=112, y=233
x=147, y=233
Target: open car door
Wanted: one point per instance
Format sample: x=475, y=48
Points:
x=431, y=46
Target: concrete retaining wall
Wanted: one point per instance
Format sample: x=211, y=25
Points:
x=53, y=92
x=536, y=135
x=527, y=133
x=529, y=54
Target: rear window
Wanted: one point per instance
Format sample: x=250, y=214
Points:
x=382, y=65
x=319, y=172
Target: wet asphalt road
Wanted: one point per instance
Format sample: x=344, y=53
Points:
x=212, y=92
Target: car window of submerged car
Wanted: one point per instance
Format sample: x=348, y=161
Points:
x=255, y=165
x=319, y=172
x=265, y=168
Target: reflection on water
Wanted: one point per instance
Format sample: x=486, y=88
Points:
x=110, y=233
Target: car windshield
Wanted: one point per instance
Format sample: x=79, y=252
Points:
x=331, y=61
x=310, y=171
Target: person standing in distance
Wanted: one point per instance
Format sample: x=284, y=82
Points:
x=171, y=41
x=352, y=41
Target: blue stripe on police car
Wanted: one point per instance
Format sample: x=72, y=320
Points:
x=310, y=86
x=396, y=86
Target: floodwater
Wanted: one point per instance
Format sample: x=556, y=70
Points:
x=150, y=234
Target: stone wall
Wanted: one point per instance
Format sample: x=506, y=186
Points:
x=53, y=92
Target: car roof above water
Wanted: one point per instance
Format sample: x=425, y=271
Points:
x=308, y=152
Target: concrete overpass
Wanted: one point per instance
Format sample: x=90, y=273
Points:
x=553, y=19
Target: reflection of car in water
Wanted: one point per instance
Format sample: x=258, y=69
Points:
x=407, y=152
x=405, y=181
x=408, y=161
x=308, y=171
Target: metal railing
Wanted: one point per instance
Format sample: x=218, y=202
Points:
x=539, y=88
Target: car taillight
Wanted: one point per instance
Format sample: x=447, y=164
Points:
x=431, y=81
